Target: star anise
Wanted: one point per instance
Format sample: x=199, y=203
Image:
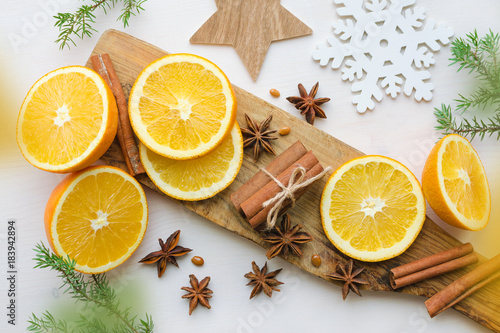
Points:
x=349, y=276
x=257, y=136
x=169, y=250
x=307, y=104
x=198, y=293
x=262, y=280
x=286, y=238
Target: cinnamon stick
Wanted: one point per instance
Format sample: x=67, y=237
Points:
x=253, y=205
x=103, y=65
x=291, y=155
x=433, y=265
x=464, y=286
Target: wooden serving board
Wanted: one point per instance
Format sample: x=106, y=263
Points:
x=130, y=55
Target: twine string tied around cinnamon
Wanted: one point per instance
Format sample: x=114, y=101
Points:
x=297, y=181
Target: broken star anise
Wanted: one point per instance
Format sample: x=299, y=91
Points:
x=198, y=293
x=349, y=276
x=169, y=250
x=262, y=280
x=307, y=104
x=286, y=238
x=258, y=136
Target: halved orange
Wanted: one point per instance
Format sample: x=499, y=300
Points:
x=67, y=121
x=372, y=208
x=198, y=178
x=182, y=106
x=98, y=217
x=455, y=184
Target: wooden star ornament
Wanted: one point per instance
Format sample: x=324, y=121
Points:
x=250, y=26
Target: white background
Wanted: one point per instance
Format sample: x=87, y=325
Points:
x=400, y=128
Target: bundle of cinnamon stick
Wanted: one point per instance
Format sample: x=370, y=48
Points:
x=250, y=197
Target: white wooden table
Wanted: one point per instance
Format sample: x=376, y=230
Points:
x=402, y=129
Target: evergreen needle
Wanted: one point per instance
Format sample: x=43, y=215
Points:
x=94, y=291
x=481, y=56
x=79, y=23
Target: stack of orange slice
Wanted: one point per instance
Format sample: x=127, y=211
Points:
x=183, y=109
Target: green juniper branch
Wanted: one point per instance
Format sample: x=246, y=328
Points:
x=79, y=23
x=95, y=292
x=479, y=55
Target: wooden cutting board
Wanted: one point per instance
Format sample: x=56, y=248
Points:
x=130, y=55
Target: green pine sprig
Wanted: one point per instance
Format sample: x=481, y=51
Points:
x=47, y=323
x=93, y=291
x=79, y=23
x=482, y=57
x=472, y=128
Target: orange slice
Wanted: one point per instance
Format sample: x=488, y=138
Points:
x=198, y=178
x=67, y=120
x=182, y=106
x=98, y=217
x=455, y=184
x=372, y=208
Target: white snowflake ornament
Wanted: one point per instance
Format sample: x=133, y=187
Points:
x=387, y=42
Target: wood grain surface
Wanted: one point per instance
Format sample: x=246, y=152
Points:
x=250, y=27
x=130, y=55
